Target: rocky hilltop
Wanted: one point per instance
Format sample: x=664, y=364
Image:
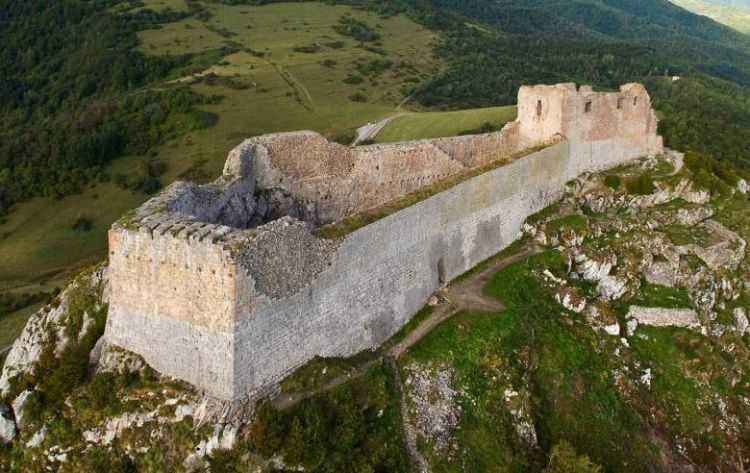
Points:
x=614, y=333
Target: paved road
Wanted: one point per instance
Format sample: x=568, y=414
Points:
x=371, y=130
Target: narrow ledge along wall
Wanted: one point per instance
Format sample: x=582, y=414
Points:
x=234, y=310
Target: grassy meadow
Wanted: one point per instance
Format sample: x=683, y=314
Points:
x=279, y=67
x=413, y=126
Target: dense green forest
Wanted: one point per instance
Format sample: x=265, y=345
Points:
x=72, y=95
x=604, y=43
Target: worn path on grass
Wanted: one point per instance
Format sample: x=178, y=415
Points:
x=466, y=294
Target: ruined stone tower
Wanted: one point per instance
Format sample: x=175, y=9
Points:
x=228, y=287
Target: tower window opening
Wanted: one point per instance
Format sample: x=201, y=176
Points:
x=588, y=107
x=619, y=103
x=635, y=101
x=538, y=108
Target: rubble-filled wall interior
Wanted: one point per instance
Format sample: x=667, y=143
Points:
x=226, y=285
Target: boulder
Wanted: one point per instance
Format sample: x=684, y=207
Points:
x=740, y=320
x=611, y=288
x=663, y=317
x=742, y=186
x=662, y=273
x=694, y=215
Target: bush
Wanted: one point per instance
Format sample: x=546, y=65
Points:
x=354, y=79
x=642, y=185
x=358, y=97
x=564, y=459
x=224, y=461
x=345, y=138
x=83, y=224
x=612, y=181
x=358, y=30
x=313, y=48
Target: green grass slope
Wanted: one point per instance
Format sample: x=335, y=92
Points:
x=267, y=85
x=736, y=16
x=414, y=126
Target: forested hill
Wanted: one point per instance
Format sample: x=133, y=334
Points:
x=659, y=24
x=504, y=44
x=639, y=20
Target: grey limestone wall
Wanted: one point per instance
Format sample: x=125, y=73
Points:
x=382, y=274
x=233, y=310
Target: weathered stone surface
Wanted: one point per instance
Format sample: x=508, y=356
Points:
x=7, y=425
x=663, y=273
x=111, y=359
x=742, y=186
x=232, y=309
x=690, y=216
x=18, y=405
x=661, y=317
x=434, y=404
x=740, y=320
x=611, y=287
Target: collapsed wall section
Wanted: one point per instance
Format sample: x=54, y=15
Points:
x=382, y=274
x=341, y=180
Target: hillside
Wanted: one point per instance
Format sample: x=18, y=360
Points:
x=612, y=337
x=255, y=70
x=735, y=14
x=105, y=102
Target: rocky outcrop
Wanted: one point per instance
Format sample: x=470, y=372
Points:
x=48, y=326
x=662, y=317
x=7, y=425
x=435, y=411
x=19, y=406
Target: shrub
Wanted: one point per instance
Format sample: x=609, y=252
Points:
x=564, y=459
x=612, y=181
x=313, y=48
x=83, y=224
x=224, y=461
x=642, y=185
x=358, y=97
x=354, y=79
x=345, y=138
x=358, y=30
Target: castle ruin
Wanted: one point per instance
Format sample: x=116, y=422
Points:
x=228, y=287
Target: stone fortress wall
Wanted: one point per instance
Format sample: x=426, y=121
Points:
x=227, y=287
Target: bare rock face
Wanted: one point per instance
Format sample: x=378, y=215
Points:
x=662, y=272
x=661, y=317
x=7, y=425
x=571, y=299
x=111, y=359
x=434, y=402
x=44, y=327
x=694, y=215
x=612, y=288
x=742, y=186
x=591, y=268
x=740, y=320
x=19, y=404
